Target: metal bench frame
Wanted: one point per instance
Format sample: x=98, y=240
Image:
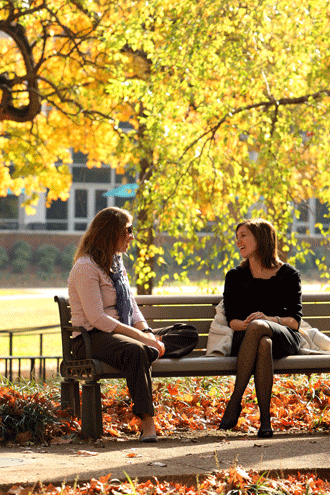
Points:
x=160, y=311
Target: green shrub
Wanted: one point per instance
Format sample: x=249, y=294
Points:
x=4, y=258
x=66, y=257
x=19, y=265
x=47, y=251
x=46, y=264
x=22, y=250
x=29, y=418
x=44, y=275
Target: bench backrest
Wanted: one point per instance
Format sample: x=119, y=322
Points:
x=199, y=310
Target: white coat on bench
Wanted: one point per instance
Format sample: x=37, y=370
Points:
x=221, y=335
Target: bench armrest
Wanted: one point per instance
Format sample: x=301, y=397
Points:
x=67, y=342
x=87, y=341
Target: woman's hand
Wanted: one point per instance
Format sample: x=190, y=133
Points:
x=152, y=340
x=258, y=315
x=147, y=338
x=162, y=346
x=240, y=325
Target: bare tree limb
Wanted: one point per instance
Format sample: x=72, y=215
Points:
x=264, y=105
x=8, y=111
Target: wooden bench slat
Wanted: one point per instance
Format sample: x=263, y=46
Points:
x=316, y=297
x=321, y=324
x=202, y=326
x=189, y=299
x=214, y=298
x=314, y=309
x=202, y=342
x=178, y=313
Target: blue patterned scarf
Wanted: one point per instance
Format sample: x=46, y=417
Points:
x=124, y=304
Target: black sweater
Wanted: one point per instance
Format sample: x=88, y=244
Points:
x=278, y=296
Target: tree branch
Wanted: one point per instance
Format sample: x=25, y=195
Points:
x=263, y=104
x=8, y=111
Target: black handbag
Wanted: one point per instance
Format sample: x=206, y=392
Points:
x=179, y=339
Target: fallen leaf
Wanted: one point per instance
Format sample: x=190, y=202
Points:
x=59, y=440
x=19, y=490
x=24, y=437
x=86, y=453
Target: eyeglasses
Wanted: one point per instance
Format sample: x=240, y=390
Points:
x=130, y=229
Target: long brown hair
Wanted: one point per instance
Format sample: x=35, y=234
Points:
x=266, y=237
x=101, y=238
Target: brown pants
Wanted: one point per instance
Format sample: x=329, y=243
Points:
x=129, y=356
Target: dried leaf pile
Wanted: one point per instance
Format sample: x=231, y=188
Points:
x=299, y=403
x=233, y=481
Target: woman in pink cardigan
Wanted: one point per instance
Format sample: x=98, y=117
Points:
x=101, y=301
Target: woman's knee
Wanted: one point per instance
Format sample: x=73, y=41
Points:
x=140, y=355
x=265, y=345
x=258, y=328
x=136, y=351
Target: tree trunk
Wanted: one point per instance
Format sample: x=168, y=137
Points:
x=147, y=287
x=145, y=220
x=24, y=113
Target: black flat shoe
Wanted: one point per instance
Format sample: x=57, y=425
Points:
x=148, y=439
x=228, y=424
x=265, y=432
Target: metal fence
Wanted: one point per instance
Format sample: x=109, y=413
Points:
x=38, y=363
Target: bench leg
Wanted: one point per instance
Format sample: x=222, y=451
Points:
x=91, y=419
x=70, y=398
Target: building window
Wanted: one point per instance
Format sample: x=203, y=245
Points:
x=91, y=175
x=312, y=212
x=321, y=215
x=123, y=202
x=129, y=177
x=57, y=215
x=80, y=208
x=302, y=223
x=80, y=203
x=9, y=212
x=100, y=200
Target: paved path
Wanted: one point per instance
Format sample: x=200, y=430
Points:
x=172, y=459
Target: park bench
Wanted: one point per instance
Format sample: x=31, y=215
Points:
x=160, y=311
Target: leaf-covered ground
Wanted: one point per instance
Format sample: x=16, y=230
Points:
x=30, y=413
x=232, y=481
x=298, y=403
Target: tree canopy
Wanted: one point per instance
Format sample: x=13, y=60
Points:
x=228, y=103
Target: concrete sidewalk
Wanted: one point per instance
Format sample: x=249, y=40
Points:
x=171, y=458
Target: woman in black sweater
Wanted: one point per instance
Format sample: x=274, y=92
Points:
x=262, y=300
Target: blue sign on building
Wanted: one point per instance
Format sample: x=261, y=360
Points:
x=123, y=191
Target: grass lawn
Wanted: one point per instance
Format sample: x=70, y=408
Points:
x=29, y=312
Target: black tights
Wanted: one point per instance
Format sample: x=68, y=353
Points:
x=255, y=356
